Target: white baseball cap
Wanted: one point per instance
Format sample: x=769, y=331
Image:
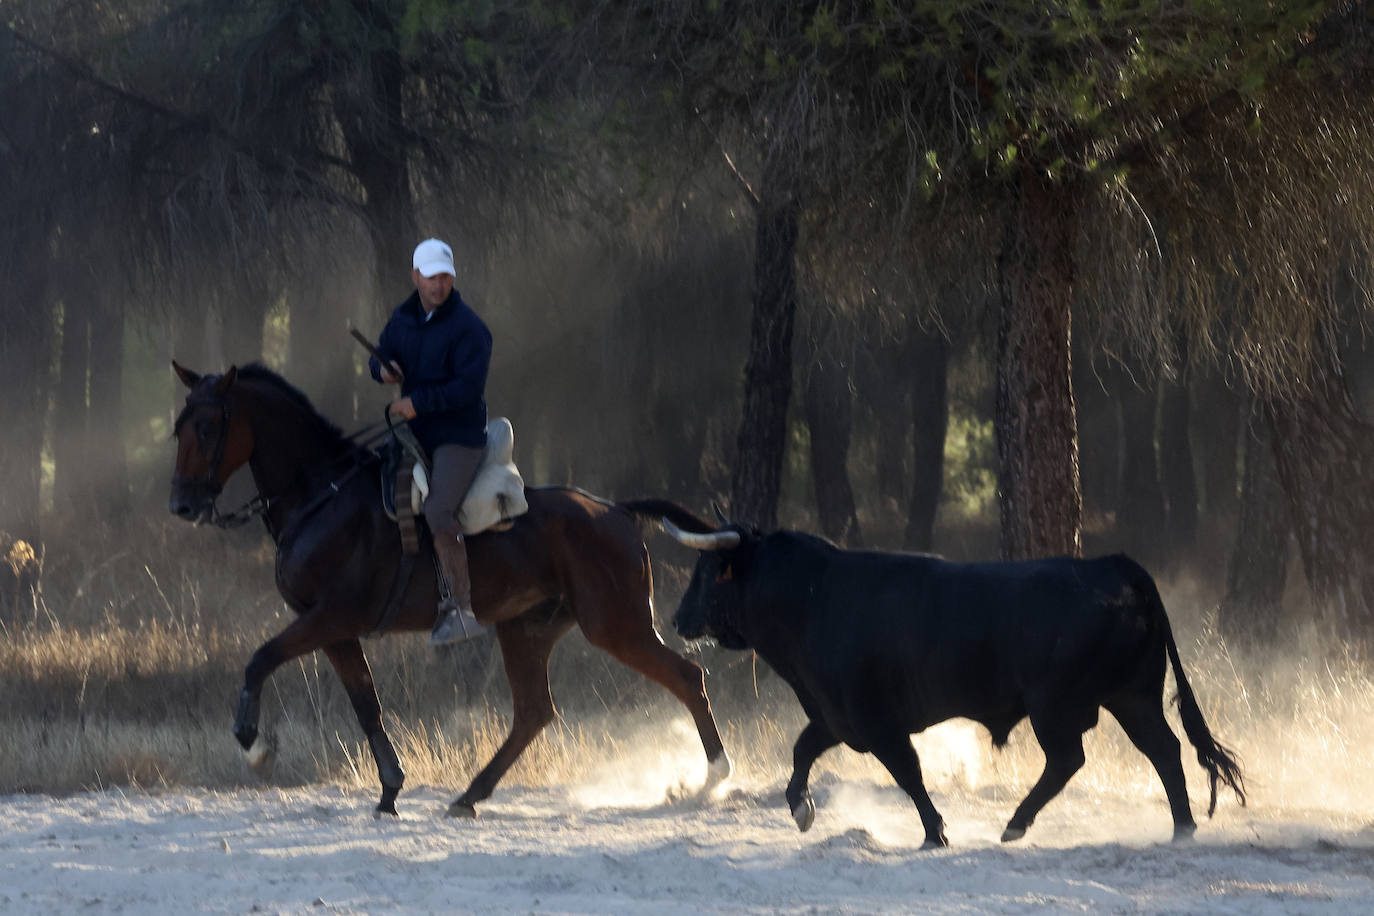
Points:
x=433, y=257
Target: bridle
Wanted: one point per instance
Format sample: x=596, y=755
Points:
x=259, y=504
x=250, y=510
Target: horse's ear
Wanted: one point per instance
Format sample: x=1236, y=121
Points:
x=188, y=378
x=226, y=381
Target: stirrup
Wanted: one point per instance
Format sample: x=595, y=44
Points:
x=454, y=624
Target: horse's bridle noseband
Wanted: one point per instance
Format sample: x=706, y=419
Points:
x=249, y=510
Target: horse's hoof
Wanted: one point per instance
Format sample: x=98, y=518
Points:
x=461, y=808
x=1013, y=833
x=717, y=771
x=259, y=755
x=1184, y=832
x=804, y=813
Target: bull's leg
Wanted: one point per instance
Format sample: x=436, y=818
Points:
x=901, y=761
x=813, y=741
x=1142, y=719
x=305, y=634
x=525, y=647
x=351, y=665
x=1063, y=747
x=640, y=648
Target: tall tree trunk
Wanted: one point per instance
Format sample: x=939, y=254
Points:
x=829, y=405
x=929, y=427
x=391, y=223
x=1217, y=413
x=1099, y=449
x=70, y=445
x=372, y=116
x=107, y=409
x=319, y=355
x=1141, y=514
x=25, y=338
x=1322, y=448
x=217, y=357
x=1176, y=474
x=757, y=475
x=244, y=312
x=885, y=388
x=1250, y=611
x=1037, y=431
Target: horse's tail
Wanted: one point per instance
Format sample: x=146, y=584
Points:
x=655, y=510
x=1218, y=760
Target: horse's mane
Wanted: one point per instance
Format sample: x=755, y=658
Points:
x=257, y=372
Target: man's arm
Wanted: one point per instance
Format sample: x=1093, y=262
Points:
x=390, y=372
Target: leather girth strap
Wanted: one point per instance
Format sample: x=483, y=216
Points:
x=405, y=512
x=393, y=599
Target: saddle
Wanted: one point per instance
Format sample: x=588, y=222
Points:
x=495, y=498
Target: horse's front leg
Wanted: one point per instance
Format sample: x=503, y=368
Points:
x=351, y=665
x=302, y=636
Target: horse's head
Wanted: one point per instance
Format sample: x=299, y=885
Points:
x=211, y=443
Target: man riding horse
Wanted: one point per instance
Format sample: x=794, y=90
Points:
x=438, y=350
x=570, y=560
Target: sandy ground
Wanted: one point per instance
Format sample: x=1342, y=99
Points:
x=608, y=848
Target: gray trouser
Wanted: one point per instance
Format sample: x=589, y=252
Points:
x=452, y=468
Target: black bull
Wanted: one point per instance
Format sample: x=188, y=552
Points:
x=879, y=646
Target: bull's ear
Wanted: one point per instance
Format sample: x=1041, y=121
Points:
x=724, y=522
x=226, y=381
x=188, y=378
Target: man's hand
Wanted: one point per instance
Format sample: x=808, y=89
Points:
x=403, y=408
x=392, y=374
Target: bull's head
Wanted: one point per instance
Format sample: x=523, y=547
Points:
x=714, y=603
x=211, y=444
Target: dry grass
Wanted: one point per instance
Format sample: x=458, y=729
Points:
x=133, y=682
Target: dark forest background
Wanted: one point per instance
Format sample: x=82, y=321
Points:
x=985, y=279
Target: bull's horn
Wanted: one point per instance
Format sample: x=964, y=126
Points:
x=716, y=540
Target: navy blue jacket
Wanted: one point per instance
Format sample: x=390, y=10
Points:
x=445, y=361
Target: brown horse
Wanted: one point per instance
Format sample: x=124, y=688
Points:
x=572, y=559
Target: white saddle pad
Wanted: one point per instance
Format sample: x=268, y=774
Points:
x=497, y=493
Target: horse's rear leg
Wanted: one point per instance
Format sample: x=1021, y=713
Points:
x=525, y=646
x=641, y=649
x=351, y=665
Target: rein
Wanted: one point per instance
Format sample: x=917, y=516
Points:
x=259, y=504
x=241, y=516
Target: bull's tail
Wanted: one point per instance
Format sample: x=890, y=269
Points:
x=655, y=509
x=1218, y=760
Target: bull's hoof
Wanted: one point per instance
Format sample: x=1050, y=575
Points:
x=461, y=808
x=1013, y=833
x=804, y=813
x=380, y=810
x=1184, y=832
x=936, y=842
